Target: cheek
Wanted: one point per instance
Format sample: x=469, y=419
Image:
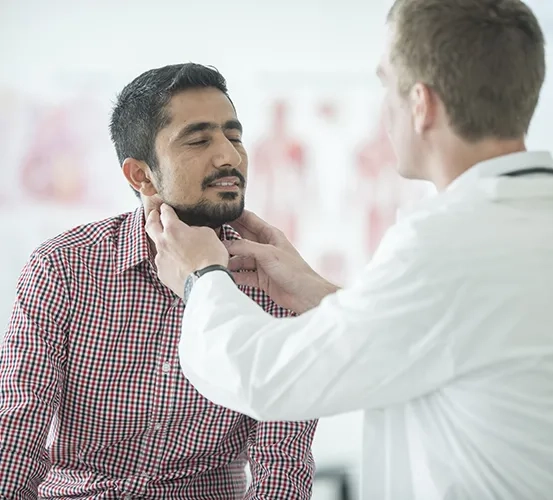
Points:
x=398, y=123
x=181, y=183
x=244, y=164
x=390, y=120
x=387, y=117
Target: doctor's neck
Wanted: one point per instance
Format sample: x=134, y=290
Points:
x=456, y=156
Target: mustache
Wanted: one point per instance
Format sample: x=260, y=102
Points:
x=220, y=174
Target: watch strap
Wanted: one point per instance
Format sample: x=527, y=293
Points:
x=214, y=267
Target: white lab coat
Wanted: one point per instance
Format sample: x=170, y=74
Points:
x=445, y=340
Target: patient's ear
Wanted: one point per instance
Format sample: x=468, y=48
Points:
x=139, y=176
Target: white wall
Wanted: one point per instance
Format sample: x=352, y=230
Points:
x=305, y=50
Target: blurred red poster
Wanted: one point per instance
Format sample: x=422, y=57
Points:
x=379, y=184
x=53, y=168
x=279, y=161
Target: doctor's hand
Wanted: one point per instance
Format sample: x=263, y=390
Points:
x=267, y=260
x=181, y=249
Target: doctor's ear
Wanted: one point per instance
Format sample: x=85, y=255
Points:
x=424, y=106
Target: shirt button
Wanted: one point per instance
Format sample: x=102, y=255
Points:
x=166, y=367
x=157, y=426
x=145, y=475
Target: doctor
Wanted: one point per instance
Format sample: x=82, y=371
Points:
x=446, y=338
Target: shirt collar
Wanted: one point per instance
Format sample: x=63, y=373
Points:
x=485, y=181
x=496, y=167
x=229, y=233
x=133, y=245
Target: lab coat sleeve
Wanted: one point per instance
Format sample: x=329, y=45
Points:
x=381, y=342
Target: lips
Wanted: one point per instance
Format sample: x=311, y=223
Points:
x=225, y=179
x=226, y=182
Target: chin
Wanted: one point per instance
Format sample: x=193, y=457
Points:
x=212, y=213
x=229, y=197
x=407, y=172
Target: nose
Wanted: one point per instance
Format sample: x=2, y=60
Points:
x=227, y=155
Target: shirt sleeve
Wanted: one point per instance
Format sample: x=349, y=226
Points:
x=380, y=342
x=281, y=460
x=32, y=363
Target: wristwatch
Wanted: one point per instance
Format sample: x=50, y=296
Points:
x=196, y=275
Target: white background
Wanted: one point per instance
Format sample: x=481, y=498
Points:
x=305, y=51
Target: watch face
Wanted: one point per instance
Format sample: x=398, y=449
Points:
x=188, y=285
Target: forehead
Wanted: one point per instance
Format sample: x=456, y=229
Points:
x=389, y=40
x=199, y=105
x=384, y=65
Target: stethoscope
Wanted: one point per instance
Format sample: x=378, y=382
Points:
x=528, y=171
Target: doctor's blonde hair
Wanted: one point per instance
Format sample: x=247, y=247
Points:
x=485, y=59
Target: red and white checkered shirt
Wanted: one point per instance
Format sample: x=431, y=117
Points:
x=93, y=402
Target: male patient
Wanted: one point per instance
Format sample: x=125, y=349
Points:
x=93, y=403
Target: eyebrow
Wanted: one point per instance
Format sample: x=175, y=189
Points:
x=192, y=128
